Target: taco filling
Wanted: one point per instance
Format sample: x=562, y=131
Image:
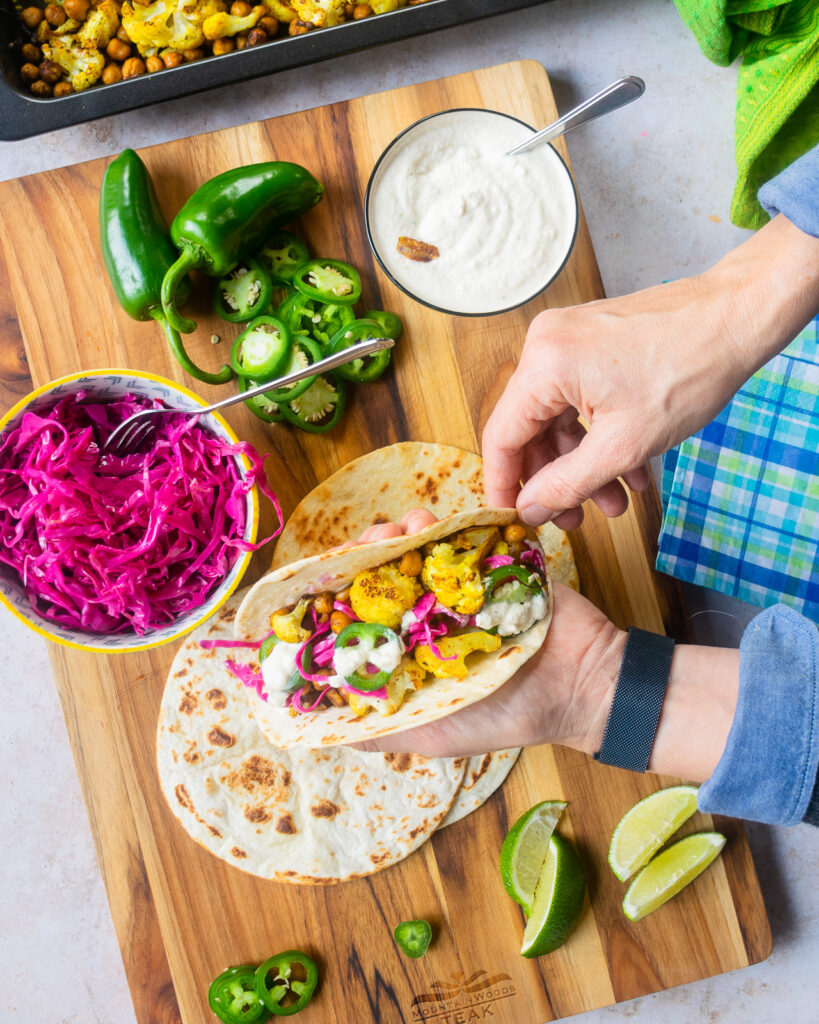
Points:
x=404, y=623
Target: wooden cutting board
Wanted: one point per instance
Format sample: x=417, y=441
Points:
x=180, y=914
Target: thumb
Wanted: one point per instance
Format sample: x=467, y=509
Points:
x=569, y=480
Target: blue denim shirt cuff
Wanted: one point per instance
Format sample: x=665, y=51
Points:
x=795, y=192
x=768, y=768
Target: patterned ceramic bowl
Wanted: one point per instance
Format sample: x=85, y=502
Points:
x=111, y=384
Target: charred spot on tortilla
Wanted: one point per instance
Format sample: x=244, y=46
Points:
x=325, y=809
x=183, y=799
x=214, y=831
x=188, y=704
x=180, y=674
x=257, y=814
x=508, y=651
x=220, y=738
x=216, y=699
x=484, y=766
x=399, y=762
x=285, y=825
x=379, y=858
x=238, y=853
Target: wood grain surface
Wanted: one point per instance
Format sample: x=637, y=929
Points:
x=180, y=914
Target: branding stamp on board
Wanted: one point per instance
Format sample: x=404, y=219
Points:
x=462, y=999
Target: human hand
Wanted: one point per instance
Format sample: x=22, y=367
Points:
x=561, y=695
x=645, y=371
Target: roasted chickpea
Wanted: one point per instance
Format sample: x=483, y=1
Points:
x=256, y=36
x=323, y=604
x=133, y=67
x=31, y=16
x=118, y=51
x=122, y=35
x=111, y=73
x=55, y=15
x=154, y=64
x=299, y=28
x=339, y=621
x=240, y=9
x=62, y=89
x=348, y=10
x=172, y=59
x=40, y=88
x=29, y=72
x=515, y=532
x=335, y=698
x=270, y=25
x=362, y=11
x=31, y=53
x=192, y=55
x=76, y=9
x=410, y=564
x=343, y=596
x=241, y=40
x=221, y=46
x=516, y=548
x=50, y=72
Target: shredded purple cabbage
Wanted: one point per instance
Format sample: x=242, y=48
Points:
x=111, y=544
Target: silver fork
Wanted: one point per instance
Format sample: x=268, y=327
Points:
x=135, y=433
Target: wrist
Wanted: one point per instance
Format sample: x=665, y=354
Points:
x=594, y=693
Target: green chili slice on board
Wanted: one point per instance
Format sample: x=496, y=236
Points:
x=234, y=999
x=388, y=323
x=368, y=633
x=368, y=368
x=328, y=319
x=261, y=406
x=137, y=252
x=320, y=407
x=413, y=937
x=276, y=981
x=283, y=253
x=262, y=349
x=329, y=281
x=243, y=293
x=303, y=352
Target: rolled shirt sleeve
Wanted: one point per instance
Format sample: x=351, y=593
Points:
x=795, y=193
x=768, y=770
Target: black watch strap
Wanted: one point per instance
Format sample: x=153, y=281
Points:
x=638, y=700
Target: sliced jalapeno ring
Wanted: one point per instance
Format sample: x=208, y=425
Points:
x=368, y=368
x=328, y=319
x=413, y=937
x=261, y=350
x=303, y=352
x=520, y=575
x=275, y=982
x=244, y=293
x=233, y=997
x=268, y=644
x=368, y=633
x=388, y=323
x=283, y=253
x=260, y=405
x=320, y=407
x=329, y=281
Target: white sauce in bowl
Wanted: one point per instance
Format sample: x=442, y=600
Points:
x=503, y=225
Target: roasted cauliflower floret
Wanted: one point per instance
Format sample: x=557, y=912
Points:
x=82, y=67
x=460, y=647
x=407, y=678
x=287, y=624
x=100, y=26
x=281, y=11
x=454, y=578
x=168, y=24
x=222, y=24
x=383, y=594
x=319, y=12
x=384, y=6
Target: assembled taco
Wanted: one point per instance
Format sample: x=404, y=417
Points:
x=386, y=636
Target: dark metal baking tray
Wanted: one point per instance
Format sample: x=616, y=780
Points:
x=23, y=115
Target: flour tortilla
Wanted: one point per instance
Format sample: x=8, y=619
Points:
x=384, y=484
x=483, y=775
x=301, y=817
x=439, y=697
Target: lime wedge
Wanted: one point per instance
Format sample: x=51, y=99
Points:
x=644, y=829
x=558, y=900
x=524, y=850
x=671, y=871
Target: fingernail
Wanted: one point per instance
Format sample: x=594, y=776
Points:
x=536, y=515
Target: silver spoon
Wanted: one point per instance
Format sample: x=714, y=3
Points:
x=618, y=94
x=135, y=433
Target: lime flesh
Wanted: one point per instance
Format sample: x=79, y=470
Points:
x=670, y=872
x=558, y=900
x=647, y=826
x=524, y=850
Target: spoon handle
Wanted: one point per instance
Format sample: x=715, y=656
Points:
x=618, y=94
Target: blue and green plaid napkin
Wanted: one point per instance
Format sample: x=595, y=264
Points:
x=741, y=497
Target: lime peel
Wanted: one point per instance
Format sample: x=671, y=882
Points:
x=558, y=900
x=670, y=872
x=525, y=849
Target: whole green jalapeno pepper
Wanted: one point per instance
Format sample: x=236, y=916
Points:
x=228, y=218
x=137, y=252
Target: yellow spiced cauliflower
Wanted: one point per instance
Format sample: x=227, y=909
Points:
x=82, y=66
x=168, y=24
x=223, y=24
x=407, y=678
x=383, y=594
x=454, y=649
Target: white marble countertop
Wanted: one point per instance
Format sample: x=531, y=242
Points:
x=655, y=181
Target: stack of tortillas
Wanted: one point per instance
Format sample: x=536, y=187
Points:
x=315, y=817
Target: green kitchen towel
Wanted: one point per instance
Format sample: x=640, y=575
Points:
x=777, y=118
